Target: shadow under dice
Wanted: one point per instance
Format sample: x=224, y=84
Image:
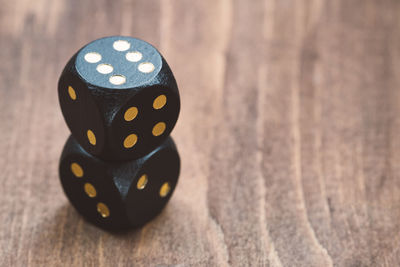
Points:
x=119, y=195
x=119, y=98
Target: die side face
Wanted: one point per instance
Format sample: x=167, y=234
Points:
x=81, y=113
x=153, y=187
x=92, y=192
x=142, y=119
x=144, y=122
x=119, y=196
x=118, y=62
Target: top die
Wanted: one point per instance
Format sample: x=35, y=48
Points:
x=119, y=98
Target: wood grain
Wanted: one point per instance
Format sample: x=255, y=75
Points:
x=289, y=133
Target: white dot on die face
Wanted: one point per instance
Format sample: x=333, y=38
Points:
x=92, y=57
x=117, y=79
x=121, y=45
x=104, y=68
x=133, y=56
x=146, y=67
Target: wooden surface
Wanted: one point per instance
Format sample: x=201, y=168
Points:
x=289, y=133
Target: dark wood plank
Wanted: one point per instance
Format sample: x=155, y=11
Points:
x=289, y=133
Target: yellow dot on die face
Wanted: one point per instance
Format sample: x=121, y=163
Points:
x=130, y=140
x=103, y=210
x=164, y=190
x=91, y=137
x=90, y=190
x=130, y=113
x=159, y=129
x=142, y=182
x=77, y=170
x=71, y=93
x=159, y=102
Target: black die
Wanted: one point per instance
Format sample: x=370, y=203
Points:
x=119, y=98
x=119, y=195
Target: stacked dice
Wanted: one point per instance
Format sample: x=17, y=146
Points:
x=120, y=101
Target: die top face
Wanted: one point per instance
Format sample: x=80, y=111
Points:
x=118, y=62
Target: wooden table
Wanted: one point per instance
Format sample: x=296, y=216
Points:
x=289, y=133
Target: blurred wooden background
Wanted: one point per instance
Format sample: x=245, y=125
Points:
x=289, y=133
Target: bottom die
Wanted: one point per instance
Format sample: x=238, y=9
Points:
x=119, y=195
